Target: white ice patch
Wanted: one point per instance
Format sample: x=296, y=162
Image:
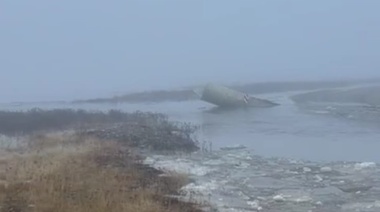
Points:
x=203, y=189
x=321, y=112
x=216, y=162
x=326, y=169
x=255, y=205
x=237, y=180
x=362, y=207
x=293, y=196
x=364, y=165
x=178, y=165
x=279, y=198
x=149, y=161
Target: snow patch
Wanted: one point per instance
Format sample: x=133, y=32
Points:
x=364, y=165
x=362, y=207
x=179, y=165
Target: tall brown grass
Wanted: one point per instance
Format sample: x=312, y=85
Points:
x=142, y=129
x=77, y=174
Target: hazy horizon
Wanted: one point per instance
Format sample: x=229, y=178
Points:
x=69, y=50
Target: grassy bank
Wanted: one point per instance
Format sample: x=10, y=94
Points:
x=67, y=173
x=37, y=120
x=146, y=130
x=91, y=167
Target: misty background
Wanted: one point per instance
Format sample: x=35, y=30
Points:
x=64, y=50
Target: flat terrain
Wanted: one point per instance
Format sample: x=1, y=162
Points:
x=252, y=88
x=362, y=95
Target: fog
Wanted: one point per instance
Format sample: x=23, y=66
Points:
x=60, y=50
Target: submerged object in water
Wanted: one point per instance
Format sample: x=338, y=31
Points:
x=226, y=97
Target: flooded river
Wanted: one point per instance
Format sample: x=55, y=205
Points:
x=311, y=157
x=324, y=132
x=291, y=158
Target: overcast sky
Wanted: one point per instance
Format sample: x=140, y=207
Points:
x=52, y=50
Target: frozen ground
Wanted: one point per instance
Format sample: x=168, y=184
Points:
x=235, y=179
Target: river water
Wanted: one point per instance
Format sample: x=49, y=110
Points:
x=310, y=157
x=324, y=132
x=320, y=132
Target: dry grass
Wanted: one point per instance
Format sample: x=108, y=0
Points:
x=146, y=130
x=71, y=173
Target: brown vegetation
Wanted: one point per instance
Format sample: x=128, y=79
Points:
x=138, y=129
x=36, y=120
x=74, y=173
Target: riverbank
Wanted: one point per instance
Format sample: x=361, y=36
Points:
x=248, y=179
x=367, y=95
x=93, y=168
x=188, y=94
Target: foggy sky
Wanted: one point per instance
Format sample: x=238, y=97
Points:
x=53, y=50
